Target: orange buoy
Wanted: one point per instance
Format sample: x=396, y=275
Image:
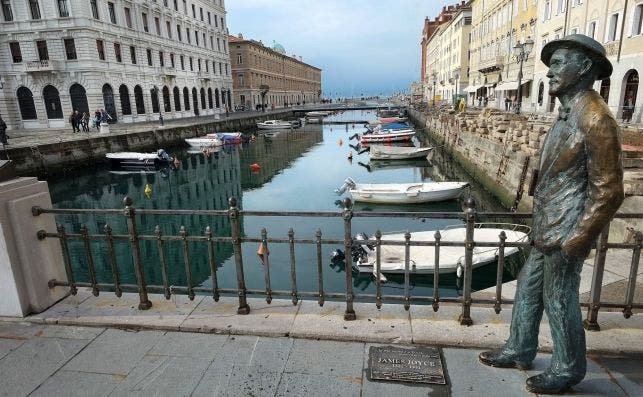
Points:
x=255, y=167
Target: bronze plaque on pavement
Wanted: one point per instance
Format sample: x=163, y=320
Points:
x=418, y=364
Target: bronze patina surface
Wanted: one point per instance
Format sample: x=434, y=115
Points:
x=422, y=365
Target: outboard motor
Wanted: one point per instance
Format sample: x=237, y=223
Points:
x=348, y=184
x=337, y=255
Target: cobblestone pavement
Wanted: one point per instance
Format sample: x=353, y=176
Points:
x=54, y=360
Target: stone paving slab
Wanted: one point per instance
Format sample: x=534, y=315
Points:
x=181, y=344
x=74, y=383
x=275, y=319
x=390, y=324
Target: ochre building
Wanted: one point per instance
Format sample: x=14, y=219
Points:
x=267, y=76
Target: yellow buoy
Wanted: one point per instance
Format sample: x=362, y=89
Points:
x=148, y=190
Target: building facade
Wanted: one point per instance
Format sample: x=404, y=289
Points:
x=268, y=76
x=453, y=64
x=137, y=59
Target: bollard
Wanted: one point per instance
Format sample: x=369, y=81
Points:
x=347, y=215
x=130, y=214
x=235, y=227
x=470, y=219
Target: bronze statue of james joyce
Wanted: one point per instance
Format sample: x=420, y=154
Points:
x=580, y=187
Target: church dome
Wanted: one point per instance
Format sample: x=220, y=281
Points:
x=278, y=48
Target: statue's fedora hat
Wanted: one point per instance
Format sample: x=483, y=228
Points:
x=585, y=43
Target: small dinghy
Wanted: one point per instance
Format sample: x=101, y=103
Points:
x=230, y=137
x=422, y=258
x=380, y=152
x=274, y=125
x=139, y=160
x=388, y=136
x=402, y=193
x=210, y=140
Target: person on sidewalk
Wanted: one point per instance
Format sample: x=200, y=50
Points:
x=97, y=115
x=3, y=132
x=579, y=188
x=74, y=121
x=84, y=122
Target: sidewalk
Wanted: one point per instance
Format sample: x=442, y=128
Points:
x=202, y=347
x=51, y=360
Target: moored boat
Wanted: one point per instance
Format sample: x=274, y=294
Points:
x=388, y=136
x=380, y=152
x=139, y=160
x=210, y=140
x=402, y=193
x=230, y=137
x=318, y=113
x=386, y=120
x=274, y=125
x=422, y=258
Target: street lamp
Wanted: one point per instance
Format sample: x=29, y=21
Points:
x=434, y=78
x=521, y=52
x=155, y=90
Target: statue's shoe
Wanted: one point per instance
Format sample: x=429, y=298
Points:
x=548, y=383
x=496, y=358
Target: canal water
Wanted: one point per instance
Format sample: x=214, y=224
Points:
x=294, y=170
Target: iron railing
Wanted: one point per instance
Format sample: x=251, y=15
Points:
x=470, y=217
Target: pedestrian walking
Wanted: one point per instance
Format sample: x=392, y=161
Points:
x=84, y=122
x=74, y=120
x=3, y=132
x=97, y=119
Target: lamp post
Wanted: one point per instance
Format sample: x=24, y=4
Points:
x=521, y=52
x=434, y=79
x=155, y=90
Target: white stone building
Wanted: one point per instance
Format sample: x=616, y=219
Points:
x=136, y=59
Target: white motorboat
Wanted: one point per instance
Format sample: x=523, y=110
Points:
x=380, y=152
x=274, y=125
x=317, y=113
x=385, y=136
x=402, y=193
x=422, y=258
x=210, y=140
x=139, y=160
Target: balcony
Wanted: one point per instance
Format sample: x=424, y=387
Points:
x=204, y=75
x=492, y=64
x=41, y=66
x=168, y=72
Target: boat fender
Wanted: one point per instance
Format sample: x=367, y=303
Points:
x=255, y=167
x=340, y=141
x=337, y=255
x=459, y=270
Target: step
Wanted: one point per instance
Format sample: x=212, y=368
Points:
x=633, y=162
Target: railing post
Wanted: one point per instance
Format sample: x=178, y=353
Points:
x=470, y=219
x=347, y=215
x=591, y=323
x=235, y=226
x=130, y=214
x=631, y=283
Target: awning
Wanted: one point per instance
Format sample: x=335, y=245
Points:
x=472, y=88
x=507, y=85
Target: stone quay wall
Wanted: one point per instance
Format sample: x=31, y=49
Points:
x=41, y=159
x=498, y=149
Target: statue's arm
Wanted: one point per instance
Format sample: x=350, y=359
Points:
x=604, y=183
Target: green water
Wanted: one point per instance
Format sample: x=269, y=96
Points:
x=299, y=171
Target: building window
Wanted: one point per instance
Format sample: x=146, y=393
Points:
x=201, y=13
x=591, y=29
x=138, y=99
x=6, y=10
x=126, y=106
x=117, y=52
x=191, y=66
x=166, y=99
x=157, y=24
x=168, y=28
x=218, y=44
x=205, y=44
x=196, y=37
x=177, y=99
x=112, y=12
x=241, y=82
x=210, y=98
x=70, y=49
x=186, y=98
x=185, y=9
x=128, y=17
x=63, y=11
x=154, y=95
x=146, y=27
x=561, y=6
x=637, y=27
x=132, y=54
x=193, y=11
x=161, y=59
x=198, y=62
x=43, y=54
x=149, y=57
x=222, y=24
x=182, y=62
x=16, y=54
x=212, y=42
x=226, y=69
x=176, y=7
x=52, y=102
x=207, y=66
x=547, y=11
x=94, y=6
x=34, y=7
x=172, y=60
x=26, y=104
x=178, y=32
x=209, y=18
x=202, y=98
x=613, y=27
x=187, y=35
x=220, y=68
x=100, y=47
x=216, y=24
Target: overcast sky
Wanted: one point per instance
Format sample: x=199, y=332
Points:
x=362, y=46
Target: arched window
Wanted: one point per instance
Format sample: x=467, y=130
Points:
x=166, y=99
x=25, y=102
x=216, y=97
x=154, y=95
x=78, y=98
x=177, y=99
x=605, y=89
x=629, y=96
x=202, y=98
x=108, y=100
x=138, y=98
x=52, y=102
x=209, y=98
x=195, y=101
x=186, y=98
x=126, y=107
x=541, y=93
